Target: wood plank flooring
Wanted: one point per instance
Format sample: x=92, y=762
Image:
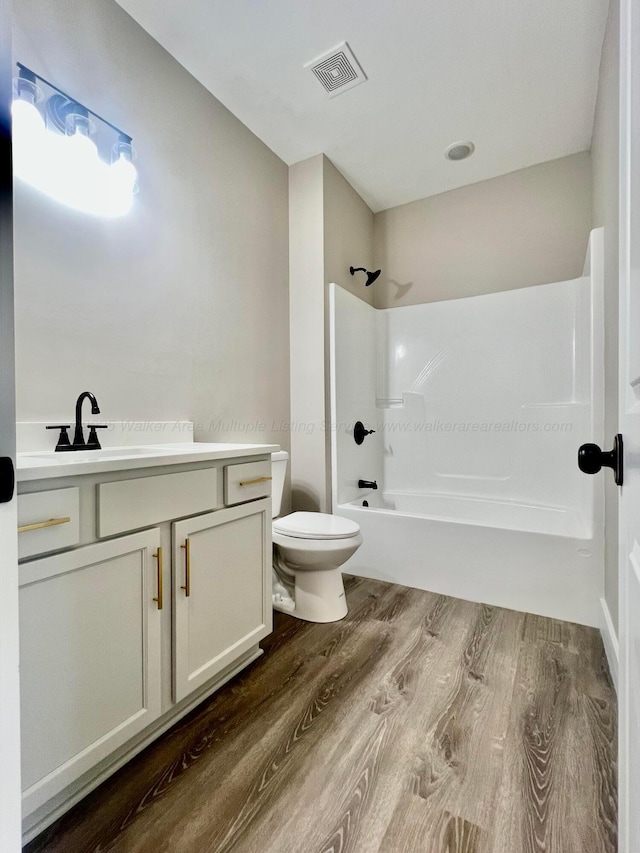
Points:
x=418, y=723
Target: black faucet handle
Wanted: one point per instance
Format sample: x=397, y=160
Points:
x=359, y=432
x=63, y=438
x=92, y=441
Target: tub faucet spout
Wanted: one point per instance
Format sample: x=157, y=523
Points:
x=367, y=484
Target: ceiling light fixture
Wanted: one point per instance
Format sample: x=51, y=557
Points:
x=459, y=151
x=68, y=152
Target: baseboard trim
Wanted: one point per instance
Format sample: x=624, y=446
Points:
x=610, y=640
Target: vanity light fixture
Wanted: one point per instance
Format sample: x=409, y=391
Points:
x=68, y=152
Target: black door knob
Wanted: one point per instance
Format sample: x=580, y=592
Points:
x=591, y=459
x=7, y=479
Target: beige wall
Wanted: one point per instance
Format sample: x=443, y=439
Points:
x=348, y=234
x=331, y=229
x=528, y=227
x=180, y=309
x=604, y=155
x=306, y=296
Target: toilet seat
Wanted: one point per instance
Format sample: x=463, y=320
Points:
x=315, y=525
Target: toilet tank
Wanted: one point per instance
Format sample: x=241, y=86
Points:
x=278, y=470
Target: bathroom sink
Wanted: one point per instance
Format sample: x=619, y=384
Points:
x=74, y=456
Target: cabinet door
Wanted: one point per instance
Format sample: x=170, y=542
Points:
x=89, y=658
x=222, y=590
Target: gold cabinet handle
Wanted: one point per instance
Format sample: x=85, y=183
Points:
x=39, y=525
x=159, y=597
x=253, y=482
x=187, y=561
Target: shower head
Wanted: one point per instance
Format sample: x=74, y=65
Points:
x=371, y=276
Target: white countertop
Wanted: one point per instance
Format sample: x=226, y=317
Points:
x=40, y=465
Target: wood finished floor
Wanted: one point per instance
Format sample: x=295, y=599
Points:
x=418, y=723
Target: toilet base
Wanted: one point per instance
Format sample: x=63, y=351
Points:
x=318, y=596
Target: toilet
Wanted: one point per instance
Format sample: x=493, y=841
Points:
x=308, y=550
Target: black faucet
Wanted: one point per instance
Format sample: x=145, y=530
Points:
x=78, y=436
x=367, y=484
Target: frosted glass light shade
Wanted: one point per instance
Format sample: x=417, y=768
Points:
x=123, y=184
x=29, y=143
x=69, y=169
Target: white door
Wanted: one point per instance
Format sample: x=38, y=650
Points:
x=222, y=590
x=629, y=556
x=9, y=688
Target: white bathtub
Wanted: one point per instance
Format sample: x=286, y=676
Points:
x=540, y=559
x=507, y=515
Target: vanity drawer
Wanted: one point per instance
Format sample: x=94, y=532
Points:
x=48, y=521
x=247, y=481
x=144, y=501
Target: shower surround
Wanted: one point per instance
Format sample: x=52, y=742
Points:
x=478, y=406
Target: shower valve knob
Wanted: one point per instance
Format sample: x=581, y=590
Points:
x=360, y=433
x=591, y=459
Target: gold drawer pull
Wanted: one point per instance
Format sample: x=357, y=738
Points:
x=187, y=561
x=39, y=525
x=253, y=482
x=159, y=597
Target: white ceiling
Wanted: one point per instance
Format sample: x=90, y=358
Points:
x=517, y=77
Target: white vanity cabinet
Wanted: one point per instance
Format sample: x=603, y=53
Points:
x=221, y=590
x=156, y=593
x=89, y=658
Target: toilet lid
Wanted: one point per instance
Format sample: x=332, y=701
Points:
x=315, y=525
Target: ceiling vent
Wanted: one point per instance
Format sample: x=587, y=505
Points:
x=337, y=70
